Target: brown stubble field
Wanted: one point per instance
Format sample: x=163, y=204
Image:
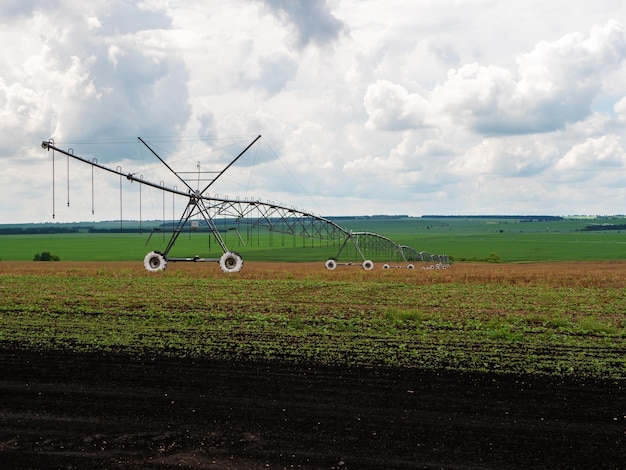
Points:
x=572, y=273
x=72, y=408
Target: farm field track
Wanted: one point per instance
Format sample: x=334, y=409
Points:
x=76, y=393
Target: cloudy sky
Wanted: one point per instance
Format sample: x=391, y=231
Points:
x=365, y=106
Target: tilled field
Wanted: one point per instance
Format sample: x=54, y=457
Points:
x=63, y=408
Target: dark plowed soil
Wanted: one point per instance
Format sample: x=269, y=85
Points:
x=61, y=410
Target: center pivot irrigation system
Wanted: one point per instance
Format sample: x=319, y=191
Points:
x=256, y=214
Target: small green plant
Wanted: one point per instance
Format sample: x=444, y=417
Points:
x=46, y=256
x=593, y=326
x=401, y=315
x=504, y=333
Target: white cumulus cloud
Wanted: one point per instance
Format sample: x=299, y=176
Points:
x=554, y=84
x=391, y=107
x=594, y=154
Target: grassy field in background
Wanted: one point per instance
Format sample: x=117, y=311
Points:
x=462, y=239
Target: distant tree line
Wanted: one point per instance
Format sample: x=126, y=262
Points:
x=117, y=230
x=40, y=230
x=52, y=229
x=367, y=217
x=521, y=218
x=602, y=227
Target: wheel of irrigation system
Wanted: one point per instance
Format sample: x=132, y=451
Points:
x=155, y=261
x=410, y=266
x=231, y=262
x=331, y=264
x=386, y=266
x=368, y=265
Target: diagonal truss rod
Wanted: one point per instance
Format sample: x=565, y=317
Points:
x=230, y=164
x=214, y=179
x=166, y=165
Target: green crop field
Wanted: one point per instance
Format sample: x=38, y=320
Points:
x=532, y=318
x=462, y=239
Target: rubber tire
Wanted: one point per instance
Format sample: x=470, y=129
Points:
x=331, y=264
x=368, y=265
x=154, y=262
x=231, y=262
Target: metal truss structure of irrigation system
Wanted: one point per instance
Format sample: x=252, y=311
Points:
x=250, y=214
